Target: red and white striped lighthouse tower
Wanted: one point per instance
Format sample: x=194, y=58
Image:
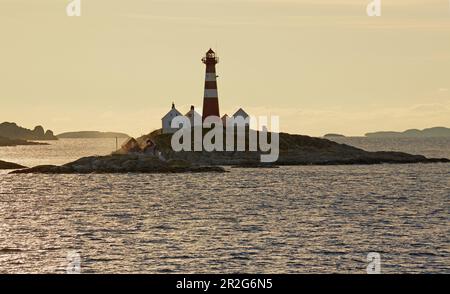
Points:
x=211, y=97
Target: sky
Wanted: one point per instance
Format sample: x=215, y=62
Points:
x=322, y=66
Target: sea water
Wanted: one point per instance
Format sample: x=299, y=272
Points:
x=303, y=219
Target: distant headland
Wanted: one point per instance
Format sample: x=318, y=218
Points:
x=436, y=132
x=91, y=135
x=333, y=136
x=14, y=132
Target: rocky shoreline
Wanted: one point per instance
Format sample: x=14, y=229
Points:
x=121, y=164
x=251, y=159
x=294, y=150
x=198, y=163
x=13, y=131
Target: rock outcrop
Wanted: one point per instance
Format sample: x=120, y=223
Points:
x=13, y=131
x=122, y=164
x=10, y=165
x=294, y=150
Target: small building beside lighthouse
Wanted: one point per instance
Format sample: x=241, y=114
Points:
x=167, y=120
x=194, y=117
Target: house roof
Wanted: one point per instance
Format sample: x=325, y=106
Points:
x=241, y=113
x=174, y=113
x=192, y=112
x=130, y=141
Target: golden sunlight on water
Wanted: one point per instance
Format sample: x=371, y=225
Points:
x=58, y=152
x=287, y=220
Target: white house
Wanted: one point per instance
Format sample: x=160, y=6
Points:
x=194, y=117
x=167, y=120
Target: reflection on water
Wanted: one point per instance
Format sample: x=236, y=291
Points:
x=58, y=152
x=287, y=220
x=430, y=147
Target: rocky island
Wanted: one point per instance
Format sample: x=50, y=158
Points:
x=136, y=156
x=436, y=132
x=294, y=150
x=131, y=163
x=15, y=132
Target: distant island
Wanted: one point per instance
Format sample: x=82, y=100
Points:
x=14, y=132
x=91, y=135
x=437, y=132
x=333, y=136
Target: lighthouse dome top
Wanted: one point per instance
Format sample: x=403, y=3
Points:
x=210, y=57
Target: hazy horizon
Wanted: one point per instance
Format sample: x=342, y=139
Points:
x=323, y=66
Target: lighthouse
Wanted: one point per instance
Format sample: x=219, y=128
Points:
x=211, y=96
